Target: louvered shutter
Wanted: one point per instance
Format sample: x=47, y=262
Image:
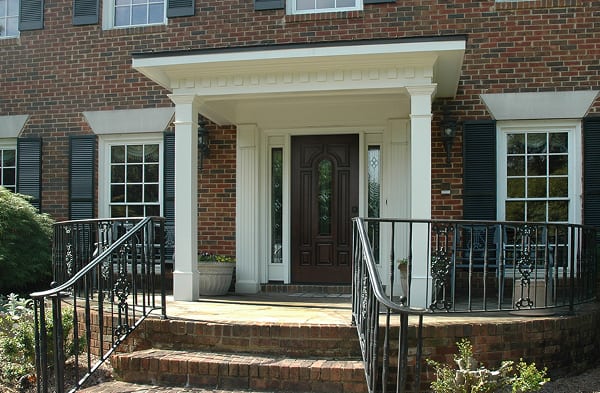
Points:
x=85, y=12
x=261, y=5
x=180, y=8
x=591, y=171
x=29, y=169
x=479, y=160
x=82, y=160
x=31, y=15
x=169, y=194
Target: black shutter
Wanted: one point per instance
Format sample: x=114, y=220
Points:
x=82, y=162
x=591, y=171
x=479, y=163
x=29, y=169
x=180, y=8
x=31, y=15
x=169, y=194
x=85, y=12
x=260, y=5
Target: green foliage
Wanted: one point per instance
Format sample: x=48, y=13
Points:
x=25, y=243
x=17, y=338
x=17, y=343
x=209, y=257
x=529, y=378
x=471, y=377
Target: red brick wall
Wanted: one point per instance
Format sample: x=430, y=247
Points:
x=56, y=73
x=216, y=194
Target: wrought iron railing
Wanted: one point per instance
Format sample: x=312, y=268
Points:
x=458, y=266
x=109, y=276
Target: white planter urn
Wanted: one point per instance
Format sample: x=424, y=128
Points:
x=215, y=277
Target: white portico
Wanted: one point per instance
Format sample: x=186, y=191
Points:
x=379, y=91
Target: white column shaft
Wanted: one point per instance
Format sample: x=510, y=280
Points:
x=185, y=274
x=420, y=189
x=247, y=214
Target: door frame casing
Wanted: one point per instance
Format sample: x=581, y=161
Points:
x=392, y=136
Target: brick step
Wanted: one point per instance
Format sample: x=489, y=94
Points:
x=292, y=340
x=239, y=371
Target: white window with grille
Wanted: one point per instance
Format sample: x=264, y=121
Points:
x=539, y=171
x=131, y=176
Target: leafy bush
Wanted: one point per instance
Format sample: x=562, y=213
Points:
x=25, y=244
x=17, y=338
x=471, y=377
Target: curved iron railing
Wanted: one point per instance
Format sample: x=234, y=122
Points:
x=109, y=276
x=458, y=266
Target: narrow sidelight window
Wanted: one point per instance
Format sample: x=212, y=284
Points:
x=276, y=205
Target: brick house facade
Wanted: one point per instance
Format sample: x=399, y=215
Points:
x=79, y=83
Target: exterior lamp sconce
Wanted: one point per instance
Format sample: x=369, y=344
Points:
x=448, y=134
x=202, y=141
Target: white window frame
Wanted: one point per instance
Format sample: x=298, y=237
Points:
x=108, y=16
x=104, y=150
x=573, y=127
x=3, y=22
x=6, y=144
x=291, y=8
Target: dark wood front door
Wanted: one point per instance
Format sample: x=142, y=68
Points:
x=324, y=199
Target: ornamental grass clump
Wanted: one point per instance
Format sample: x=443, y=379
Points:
x=471, y=377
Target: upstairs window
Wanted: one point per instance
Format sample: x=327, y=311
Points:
x=132, y=13
x=9, y=18
x=139, y=12
x=320, y=6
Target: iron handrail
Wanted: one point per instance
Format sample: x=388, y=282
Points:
x=461, y=266
x=130, y=292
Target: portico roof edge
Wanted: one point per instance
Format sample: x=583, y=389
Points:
x=303, y=45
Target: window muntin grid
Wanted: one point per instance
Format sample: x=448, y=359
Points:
x=135, y=173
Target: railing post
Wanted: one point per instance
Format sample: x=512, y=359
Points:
x=59, y=355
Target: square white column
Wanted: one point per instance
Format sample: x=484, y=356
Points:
x=420, y=189
x=185, y=274
x=247, y=210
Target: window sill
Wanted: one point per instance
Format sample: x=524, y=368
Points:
x=323, y=16
x=9, y=41
x=127, y=31
x=515, y=5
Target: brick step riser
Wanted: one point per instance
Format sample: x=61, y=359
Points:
x=240, y=372
x=328, y=341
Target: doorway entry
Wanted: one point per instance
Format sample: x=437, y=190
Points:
x=324, y=187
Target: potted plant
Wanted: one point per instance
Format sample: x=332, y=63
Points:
x=216, y=273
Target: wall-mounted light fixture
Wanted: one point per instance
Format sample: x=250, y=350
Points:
x=202, y=141
x=448, y=134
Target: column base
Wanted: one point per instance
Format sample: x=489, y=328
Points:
x=186, y=286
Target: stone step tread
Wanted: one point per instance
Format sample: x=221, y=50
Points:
x=126, y=387
x=189, y=356
x=240, y=371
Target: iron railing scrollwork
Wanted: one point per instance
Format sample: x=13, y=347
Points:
x=109, y=275
x=457, y=266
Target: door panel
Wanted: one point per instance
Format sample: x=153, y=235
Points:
x=324, y=200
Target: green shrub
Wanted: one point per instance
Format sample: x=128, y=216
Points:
x=471, y=377
x=25, y=244
x=17, y=338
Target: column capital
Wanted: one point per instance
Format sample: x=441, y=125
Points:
x=425, y=90
x=184, y=99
